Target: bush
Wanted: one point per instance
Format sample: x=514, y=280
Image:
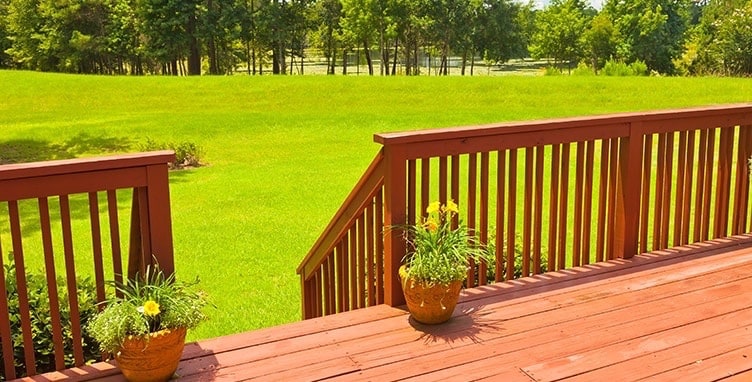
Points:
x=616, y=69
x=41, y=323
x=187, y=154
x=551, y=71
x=639, y=68
x=583, y=69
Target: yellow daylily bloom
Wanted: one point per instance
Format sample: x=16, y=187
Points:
x=431, y=225
x=433, y=207
x=151, y=308
x=451, y=206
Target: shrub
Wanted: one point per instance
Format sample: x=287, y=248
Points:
x=583, y=69
x=187, y=154
x=551, y=71
x=616, y=69
x=639, y=68
x=41, y=323
x=490, y=249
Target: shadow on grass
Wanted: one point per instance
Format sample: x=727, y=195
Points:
x=33, y=150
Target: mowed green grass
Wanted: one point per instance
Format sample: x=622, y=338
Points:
x=283, y=152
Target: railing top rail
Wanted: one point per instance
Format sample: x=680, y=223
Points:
x=79, y=165
x=508, y=128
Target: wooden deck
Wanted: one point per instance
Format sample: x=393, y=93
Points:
x=675, y=315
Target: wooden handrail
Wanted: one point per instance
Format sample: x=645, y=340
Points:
x=572, y=190
x=150, y=232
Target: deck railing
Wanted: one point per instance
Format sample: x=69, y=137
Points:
x=545, y=195
x=45, y=202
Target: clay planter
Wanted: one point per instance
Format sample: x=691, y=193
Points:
x=152, y=359
x=430, y=305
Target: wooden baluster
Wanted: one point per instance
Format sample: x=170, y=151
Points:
x=23, y=296
x=49, y=265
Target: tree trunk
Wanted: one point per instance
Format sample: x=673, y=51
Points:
x=464, y=62
x=394, y=62
x=194, y=56
x=344, y=62
x=368, y=58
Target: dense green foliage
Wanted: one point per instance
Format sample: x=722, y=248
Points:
x=398, y=36
x=282, y=154
x=148, y=303
x=440, y=248
x=41, y=321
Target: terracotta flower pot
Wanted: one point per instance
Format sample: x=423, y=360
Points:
x=151, y=358
x=430, y=305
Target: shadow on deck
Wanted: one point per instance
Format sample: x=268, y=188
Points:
x=681, y=314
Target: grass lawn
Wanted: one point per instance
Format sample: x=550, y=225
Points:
x=283, y=152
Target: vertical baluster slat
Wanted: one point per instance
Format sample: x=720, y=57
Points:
x=484, y=207
x=455, y=188
x=700, y=192
x=587, y=216
x=666, y=194
x=5, y=346
x=613, y=160
x=350, y=250
x=501, y=273
x=561, y=252
x=659, y=180
x=472, y=182
x=49, y=266
x=361, y=252
x=117, y=260
x=511, y=214
x=70, y=268
x=600, y=243
x=379, y=229
x=23, y=296
x=740, y=177
x=425, y=185
x=578, y=199
x=679, y=199
x=709, y=175
x=538, y=209
x=443, y=176
x=527, y=220
x=343, y=291
x=370, y=261
x=688, y=179
x=553, y=211
x=647, y=176
x=96, y=244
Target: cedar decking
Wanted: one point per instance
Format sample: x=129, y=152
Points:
x=683, y=314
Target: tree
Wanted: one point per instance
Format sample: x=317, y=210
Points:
x=5, y=42
x=601, y=41
x=560, y=31
x=170, y=32
x=651, y=30
x=503, y=35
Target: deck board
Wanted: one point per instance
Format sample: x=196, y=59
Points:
x=683, y=314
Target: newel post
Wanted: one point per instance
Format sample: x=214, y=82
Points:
x=151, y=223
x=395, y=208
x=628, y=192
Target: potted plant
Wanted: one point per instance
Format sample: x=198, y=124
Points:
x=437, y=263
x=144, y=327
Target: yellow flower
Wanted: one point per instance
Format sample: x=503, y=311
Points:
x=431, y=225
x=451, y=206
x=151, y=308
x=433, y=207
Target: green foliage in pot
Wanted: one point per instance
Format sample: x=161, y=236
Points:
x=146, y=304
x=439, y=253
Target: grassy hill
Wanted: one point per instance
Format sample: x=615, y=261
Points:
x=283, y=152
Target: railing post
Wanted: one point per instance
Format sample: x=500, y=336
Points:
x=628, y=187
x=395, y=214
x=160, y=220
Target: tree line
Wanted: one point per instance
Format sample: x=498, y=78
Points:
x=191, y=37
